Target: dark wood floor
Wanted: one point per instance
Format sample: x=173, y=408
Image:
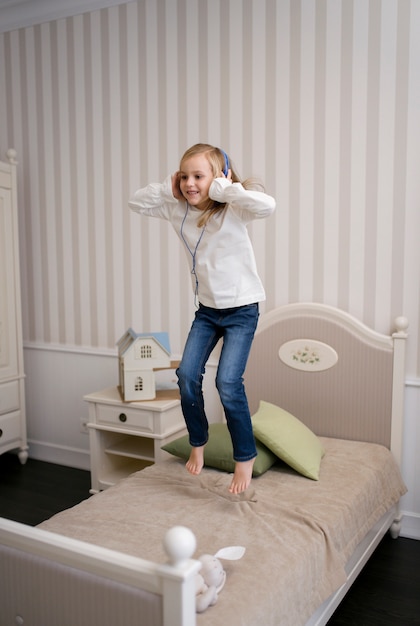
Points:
x=33, y=492
x=387, y=593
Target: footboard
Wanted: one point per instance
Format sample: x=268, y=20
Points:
x=51, y=579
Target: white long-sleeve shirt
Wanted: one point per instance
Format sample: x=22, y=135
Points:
x=220, y=255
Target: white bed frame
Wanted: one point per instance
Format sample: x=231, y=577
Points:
x=68, y=570
x=40, y=566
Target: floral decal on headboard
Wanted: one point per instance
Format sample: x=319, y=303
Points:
x=308, y=355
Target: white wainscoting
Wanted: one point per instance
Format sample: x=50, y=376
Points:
x=410, y=503
x=57, y=380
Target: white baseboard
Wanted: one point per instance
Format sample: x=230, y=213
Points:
x=410, y=527
x=61, y=455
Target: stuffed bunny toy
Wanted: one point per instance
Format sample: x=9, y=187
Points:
x=212, y=577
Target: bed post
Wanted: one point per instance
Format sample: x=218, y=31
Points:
x=397, y=418
x=399, y=338
x=178, y=609
x=179, y=591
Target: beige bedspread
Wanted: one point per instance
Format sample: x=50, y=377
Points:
x=298, y=533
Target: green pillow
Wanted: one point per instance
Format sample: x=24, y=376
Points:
x=286, y=436
x=218, y=452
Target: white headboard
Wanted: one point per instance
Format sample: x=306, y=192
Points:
x=335, y=374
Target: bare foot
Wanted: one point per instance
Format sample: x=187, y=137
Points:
x=196, y=461
x=242, y=476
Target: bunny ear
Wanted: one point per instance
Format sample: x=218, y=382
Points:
x=232, y=553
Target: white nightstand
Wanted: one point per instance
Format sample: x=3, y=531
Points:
x=125, y=437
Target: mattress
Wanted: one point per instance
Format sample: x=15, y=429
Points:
x=298, y=533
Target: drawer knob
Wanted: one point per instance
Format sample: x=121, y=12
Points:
x=122, y=417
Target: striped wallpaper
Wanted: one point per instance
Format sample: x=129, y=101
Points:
x=319, y=98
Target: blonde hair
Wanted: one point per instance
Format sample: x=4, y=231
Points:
x=216, y=159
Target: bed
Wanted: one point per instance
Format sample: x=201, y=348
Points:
x=129, y=554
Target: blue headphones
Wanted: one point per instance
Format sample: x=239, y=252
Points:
x=225, y=170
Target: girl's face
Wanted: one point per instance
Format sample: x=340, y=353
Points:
x=195, y=178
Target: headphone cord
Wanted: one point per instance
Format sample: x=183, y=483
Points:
x=192, y=252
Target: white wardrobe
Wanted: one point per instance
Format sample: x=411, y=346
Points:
x=12, y=377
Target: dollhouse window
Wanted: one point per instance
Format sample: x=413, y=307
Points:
x=146, y=352
x=143, y=351
x=138, y=385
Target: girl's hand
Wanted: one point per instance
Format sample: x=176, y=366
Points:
x=176, y=189
x=229, y=175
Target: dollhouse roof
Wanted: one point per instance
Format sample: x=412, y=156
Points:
x=130, y=337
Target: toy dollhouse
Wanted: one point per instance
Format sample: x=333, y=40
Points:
x=139, y=354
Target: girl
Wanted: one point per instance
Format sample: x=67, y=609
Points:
x=209, y=209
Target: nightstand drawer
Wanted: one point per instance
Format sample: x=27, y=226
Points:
x=125, y=417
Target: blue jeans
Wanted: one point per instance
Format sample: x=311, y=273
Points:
x=237, y=328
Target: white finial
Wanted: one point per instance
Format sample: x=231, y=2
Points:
x=401, y=324
x=11, y=155
x=179, y=544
